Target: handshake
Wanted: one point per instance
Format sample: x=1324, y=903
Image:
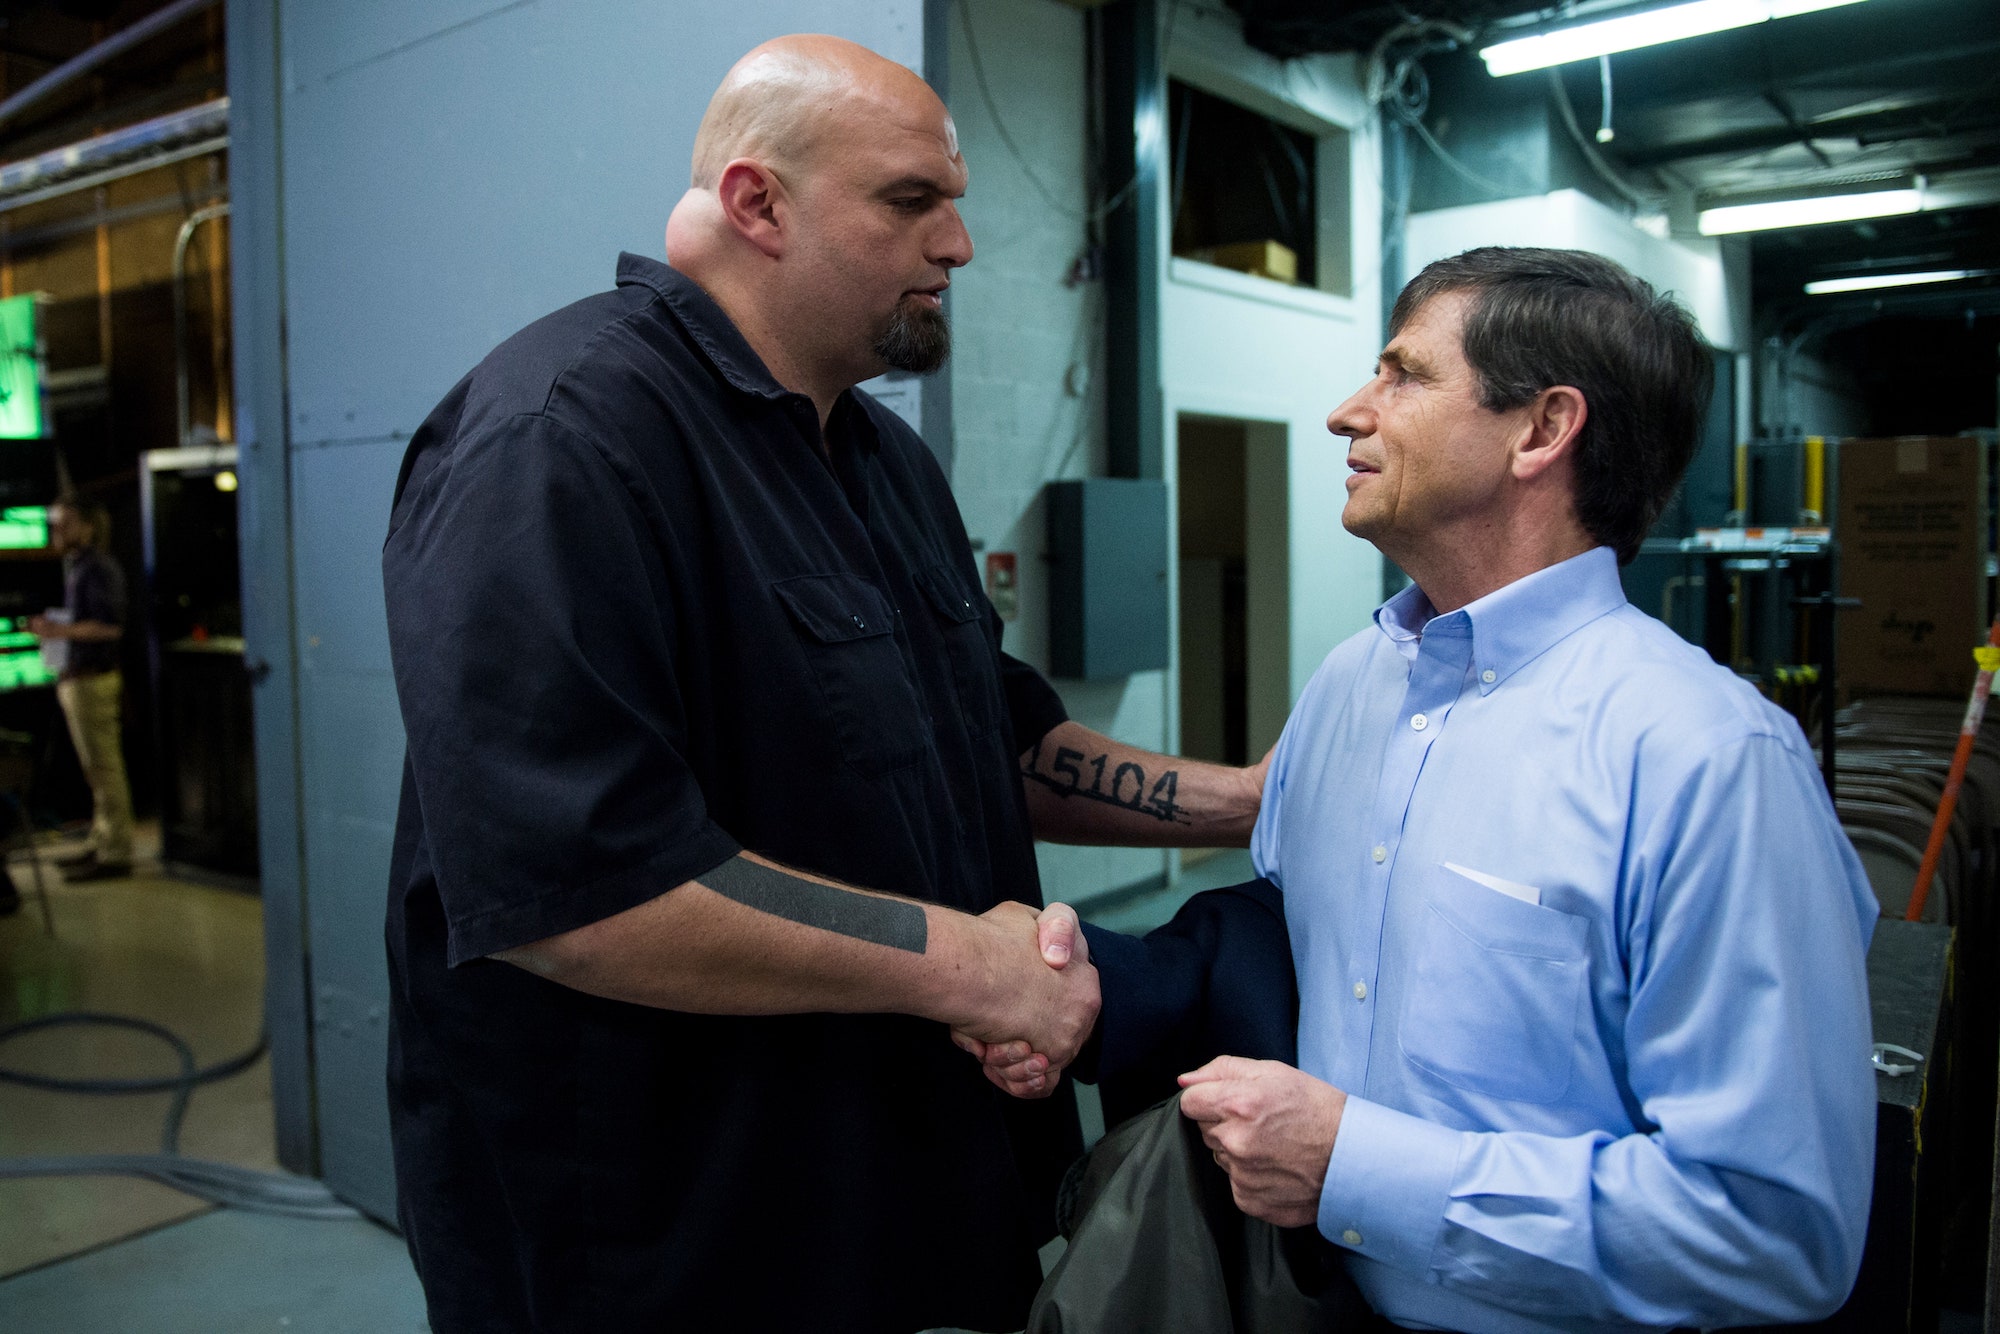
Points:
x=1040, y=998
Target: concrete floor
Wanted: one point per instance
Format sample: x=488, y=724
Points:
x=105, y=1255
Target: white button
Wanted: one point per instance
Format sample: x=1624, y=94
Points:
x=1418, y=723
x=1381, y=854
x=1361, y=991
x=1489, y=676
x=1351, y=1237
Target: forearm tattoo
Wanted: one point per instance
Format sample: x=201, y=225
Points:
x=892, y=922
x=1071, y=774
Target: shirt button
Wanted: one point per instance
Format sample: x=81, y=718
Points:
x=1489, y=676
x=1418, y=723
x=1361, y=991
x=1380, y=854
x=859, y=624
x=1351, y=1237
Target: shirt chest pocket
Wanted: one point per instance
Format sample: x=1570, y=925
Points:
x=961, y=619
x=847, y=633
x=1497, y=991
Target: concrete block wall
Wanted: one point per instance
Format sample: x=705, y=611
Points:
x=1027, y=406
x=1027, y=372
x=1283, y=357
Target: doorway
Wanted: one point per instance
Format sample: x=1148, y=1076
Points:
x=1234, y=558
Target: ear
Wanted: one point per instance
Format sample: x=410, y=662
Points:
x=754, y=204
x=1554, y=420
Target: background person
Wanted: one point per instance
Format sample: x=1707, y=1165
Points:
x=90, y=686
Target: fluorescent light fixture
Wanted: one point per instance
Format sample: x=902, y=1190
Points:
x=1728, y=218
x=1874, y=280
x=1629, y=32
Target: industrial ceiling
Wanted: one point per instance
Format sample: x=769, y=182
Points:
x=1887, y=90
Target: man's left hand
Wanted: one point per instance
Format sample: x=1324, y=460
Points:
x=1271, y=1128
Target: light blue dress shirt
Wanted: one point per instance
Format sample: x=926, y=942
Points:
x=1577, y=931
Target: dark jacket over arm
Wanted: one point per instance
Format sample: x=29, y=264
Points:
x=1217, y=980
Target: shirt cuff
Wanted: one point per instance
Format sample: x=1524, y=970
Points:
x=1386, y=1185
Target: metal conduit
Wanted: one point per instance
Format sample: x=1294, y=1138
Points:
x=111, y=47
x=174, y=137
x=182, y=425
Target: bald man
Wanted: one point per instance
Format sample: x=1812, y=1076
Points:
x=720, y=796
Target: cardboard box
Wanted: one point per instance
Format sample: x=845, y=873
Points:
x=1261, y=259
x=1912, y=532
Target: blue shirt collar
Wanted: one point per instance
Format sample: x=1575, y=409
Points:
x=1512, y=626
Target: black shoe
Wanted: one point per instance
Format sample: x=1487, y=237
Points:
x=10, y=898
x=71, y=860
x=98, y=870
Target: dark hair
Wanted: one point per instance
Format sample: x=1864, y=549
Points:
x=95, y=517
x=1547, y=317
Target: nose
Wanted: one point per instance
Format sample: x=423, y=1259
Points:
x=1355, y=418
x=952, y=247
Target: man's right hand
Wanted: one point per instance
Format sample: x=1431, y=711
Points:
x=1047, y=1012
x=1017, y=1065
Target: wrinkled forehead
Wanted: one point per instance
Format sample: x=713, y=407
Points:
x=895, y=134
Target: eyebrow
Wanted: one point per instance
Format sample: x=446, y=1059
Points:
x=920, y=184
x=1409, y=365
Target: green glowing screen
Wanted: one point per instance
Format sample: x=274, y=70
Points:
x=20, y=371
x=23, y=668
x=24, y=527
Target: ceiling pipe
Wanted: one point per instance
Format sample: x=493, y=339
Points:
x=183, y=424
x=174, y=137
x=109, y=49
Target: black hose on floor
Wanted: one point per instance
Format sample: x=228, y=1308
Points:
x=219, y=1183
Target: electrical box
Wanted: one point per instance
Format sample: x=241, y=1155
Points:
x=1107, y=577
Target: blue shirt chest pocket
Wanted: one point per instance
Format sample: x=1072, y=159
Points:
x=847, y=632
x=1497, y=991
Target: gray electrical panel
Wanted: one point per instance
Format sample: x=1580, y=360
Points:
x=1107, y=577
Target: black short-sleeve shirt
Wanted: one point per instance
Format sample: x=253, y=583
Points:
x=93, y=590
x=639, y=622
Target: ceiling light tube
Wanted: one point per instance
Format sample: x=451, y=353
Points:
x=1629, y=32
x=1867, y=282
x=1729, y=218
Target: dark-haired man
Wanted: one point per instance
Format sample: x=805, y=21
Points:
x=1583, y=1030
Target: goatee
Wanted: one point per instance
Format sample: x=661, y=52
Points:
x=917, y=340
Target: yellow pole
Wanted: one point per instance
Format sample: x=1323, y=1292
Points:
x=1815, y=498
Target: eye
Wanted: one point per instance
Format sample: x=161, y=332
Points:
x=910, y=204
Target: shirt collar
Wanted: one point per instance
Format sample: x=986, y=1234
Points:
x=1514, y=625
x=1403, y=618
x=712, y=330
x=724, y=344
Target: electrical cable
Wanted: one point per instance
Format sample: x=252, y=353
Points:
x=1402, y=89
x=1649, y=201
x=1605, y=134
x=1407, y=97
x=226, y=1184
x=1090, y=217
x=1180, y=158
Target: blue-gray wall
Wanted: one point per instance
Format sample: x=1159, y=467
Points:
x=412, y=181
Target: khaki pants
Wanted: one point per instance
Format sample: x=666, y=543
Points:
x=92, y=705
